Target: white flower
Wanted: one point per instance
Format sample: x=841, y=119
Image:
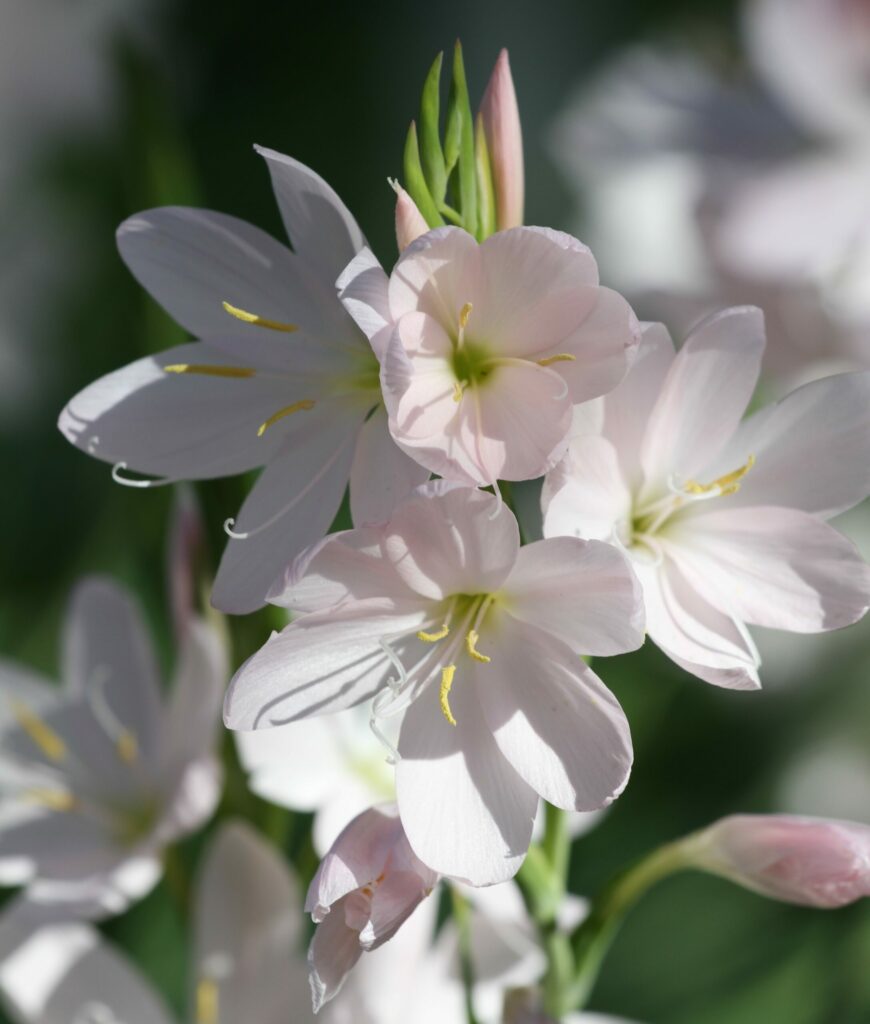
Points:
x=281, y=378
x=725, y=521
x=101, y=774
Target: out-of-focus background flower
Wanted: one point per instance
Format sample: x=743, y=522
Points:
x=711, y=154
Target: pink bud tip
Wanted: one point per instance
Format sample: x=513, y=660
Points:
x=810, y=861
x=504, y=139
x=410, y=223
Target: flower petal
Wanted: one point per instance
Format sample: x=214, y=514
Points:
x=363, y=289
x=553, y=719
x=436, y=275
x=775, y=567
x=583, y=592
x=465, y=810
x=332, y=954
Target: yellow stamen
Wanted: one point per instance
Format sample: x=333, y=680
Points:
x=258, y=321
x=560, y=357
x=42, y=734
x=433, y=638
x=447, y=674
x=54, y=799
x=471, y=646
x=457, y=391
x=464, y=315
x=127, y=747
x=207, y=1001
x=288, y=410
x=208, y=370
x=727, y=484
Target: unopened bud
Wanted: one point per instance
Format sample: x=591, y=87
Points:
x=504, y=139
x=410, y=223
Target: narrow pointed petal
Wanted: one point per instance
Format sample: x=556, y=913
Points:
x=363, y=289
x=333, y=952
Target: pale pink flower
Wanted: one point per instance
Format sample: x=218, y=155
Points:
x=482, y=639
x=366, y=887
x=724, y=521
x=811, y=861
x=504, y=140
x=486, y=346
x=410, y=223
x=280, y=378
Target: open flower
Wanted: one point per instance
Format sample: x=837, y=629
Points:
x=366, y=887
x=281, y=378
x=487, y=346
x=100, y=775
x=810, y=861
x=440, y=612
x=724, y=521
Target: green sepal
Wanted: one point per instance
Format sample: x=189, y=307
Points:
x=430, y=140
x=415, y=181
x=465, y=163
x=486, y=224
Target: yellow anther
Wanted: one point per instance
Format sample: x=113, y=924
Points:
x=457, y=391
x=127, y=747
x=288, y=410
x=54, y=799
x=464, y=315
x=209, y=370
x=207, y=1001
x=42, y=734
x=471, y=646
x=727, y=484
x=447, y=674
x=560, y=357
x=433, y=638
x=258, y=321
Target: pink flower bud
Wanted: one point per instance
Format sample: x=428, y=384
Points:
x=810, y=861
x=504, y=139
x=368, y=885
x=410, y=223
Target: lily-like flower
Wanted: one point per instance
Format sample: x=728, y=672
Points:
x=504, y=140
x=101, y=774
x=439, y=613
x=724, y=521
x=486, y=347
x=810, y=861
x=281, y=378
x=366, y=887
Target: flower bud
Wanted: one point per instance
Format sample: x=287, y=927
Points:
x=410, y=223
x=366, y=887
x=504, y=139
x=810, y=861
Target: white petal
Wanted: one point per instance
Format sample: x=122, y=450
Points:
x=321, y=228
x=322, y=662
x=382, y=475
x=363, y=289
x=465, y=810
x=291, y=506
x=774, y=567
x=333, y=952
x=553, y=719
x=704, y=395
x=583, y=592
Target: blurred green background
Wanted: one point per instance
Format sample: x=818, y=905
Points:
x=112, y=107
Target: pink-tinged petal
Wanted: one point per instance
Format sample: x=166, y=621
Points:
x=356, y=858
x=183, y=426
x=628, y=407
x=437, y=274
x=410, y=223
x=504, y=140
x=583, y=592
x=462, y=541
x=697, y=636
x=321, y=228
x=465, y=810
x=332, y=954
x=810, y=449
x=363, y=289
x=321, y=663
x=774, y=567
x=704, y=395
x=552, y=718
x=603, y=347
x=192, y=261
x=107, y=653
x=809, y=861
x=392, y=903
x=382, y=475
x=586, y=494
x=291, y=506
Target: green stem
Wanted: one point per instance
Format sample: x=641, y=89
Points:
x=462, y=917
x=177, y=879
